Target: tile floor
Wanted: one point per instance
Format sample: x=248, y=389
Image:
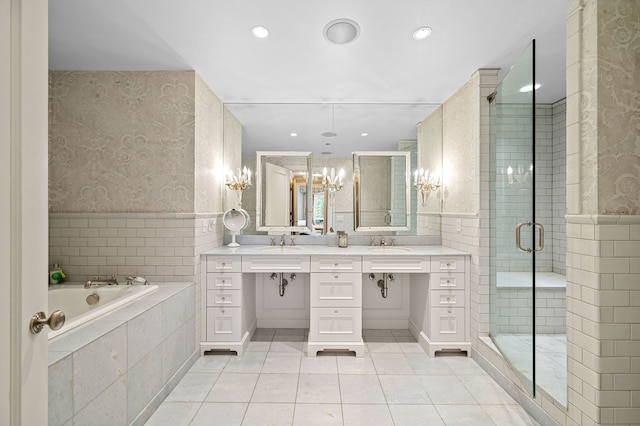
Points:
x=395, y=383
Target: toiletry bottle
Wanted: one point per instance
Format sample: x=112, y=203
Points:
x=56, y=276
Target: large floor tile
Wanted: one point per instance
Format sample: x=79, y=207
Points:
x=276, y=388
x=403, y=389
x=366, y=415
x=361, y=389
x=465, y=415
x=260, y=414
x=318, y=388
x=227, y=414
x=319, y=365
x=251, y=362
x=317, y=415
x=193, y=387
x=355, y=365
x=282, y=362
x=416, y=415
x=446, y=390
x=391, y=364
x=233, y=387
x=486, y=391
x=211, y=363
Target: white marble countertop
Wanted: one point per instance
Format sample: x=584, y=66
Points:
x=320, y=250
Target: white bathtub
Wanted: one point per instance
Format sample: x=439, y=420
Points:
x=72, y=300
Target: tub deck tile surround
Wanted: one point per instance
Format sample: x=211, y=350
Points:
x=117, y=369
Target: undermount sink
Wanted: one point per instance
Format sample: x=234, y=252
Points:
x=282, y=249
x=389, y=249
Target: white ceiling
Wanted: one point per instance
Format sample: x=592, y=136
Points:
x=383, y=83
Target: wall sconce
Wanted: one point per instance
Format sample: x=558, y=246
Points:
x=238, y=182
x=425, y=183
x=333, y=182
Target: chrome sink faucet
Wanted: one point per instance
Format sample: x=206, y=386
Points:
x=382, y=241
x=282, y=241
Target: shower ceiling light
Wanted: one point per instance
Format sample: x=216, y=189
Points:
x=422, y=33
x=341, y=31
x=260, y=31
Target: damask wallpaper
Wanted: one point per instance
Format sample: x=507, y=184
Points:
x=618, y=107
x=209, y=149
x=122, y=141
x=460, y=152
x=430, y=157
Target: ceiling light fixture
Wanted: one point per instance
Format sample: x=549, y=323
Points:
x=341, y=31
x=260, y=31
x=422, y=33
x=364, y=134
x=293, y=134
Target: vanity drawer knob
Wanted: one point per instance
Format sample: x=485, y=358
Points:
x=335, y=264
x=336, y=276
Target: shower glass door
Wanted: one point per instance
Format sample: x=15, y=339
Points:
x=514, y=234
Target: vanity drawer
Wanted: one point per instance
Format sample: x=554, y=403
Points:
x=336, y=264
x=411, y=264
x=224, y=324
x=224, y=297
x=342, y=289
x=447, y=264
x=446, y=298
x=224, y=264
x=335, y=325
x=221, y=281
x=446, y=281
x=447, y=324
x=275, y=264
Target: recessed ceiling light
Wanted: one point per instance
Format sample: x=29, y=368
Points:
x=260, y=31
x=422, y=33
x=364, y=134
x=329, y=134
x=529, y=88
x=293, y=134
x=341, y=31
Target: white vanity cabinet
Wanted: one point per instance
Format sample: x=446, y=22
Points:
x=447, y=305
x=336, y=305
x=434, y=305
x=226, y=316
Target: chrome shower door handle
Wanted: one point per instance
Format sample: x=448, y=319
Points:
x=540, y=237
x=518, y=229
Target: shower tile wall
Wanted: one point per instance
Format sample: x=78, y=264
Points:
x=513, y=193
x=559, y=192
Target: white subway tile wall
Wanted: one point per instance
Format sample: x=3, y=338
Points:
x=160, y=247
x=603, y=272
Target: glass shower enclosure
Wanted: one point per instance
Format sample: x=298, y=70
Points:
x=516, y=238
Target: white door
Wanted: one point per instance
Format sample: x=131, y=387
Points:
x=23, y=210
x=278, y=183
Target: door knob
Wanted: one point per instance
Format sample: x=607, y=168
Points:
x=39, y=320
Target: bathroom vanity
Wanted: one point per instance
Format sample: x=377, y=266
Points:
x=436, y=277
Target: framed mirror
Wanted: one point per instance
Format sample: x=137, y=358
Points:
x=381, y=191
x=284, y=192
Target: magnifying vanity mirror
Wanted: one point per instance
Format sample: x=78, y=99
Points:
x=283, y=192
x=382, y=199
